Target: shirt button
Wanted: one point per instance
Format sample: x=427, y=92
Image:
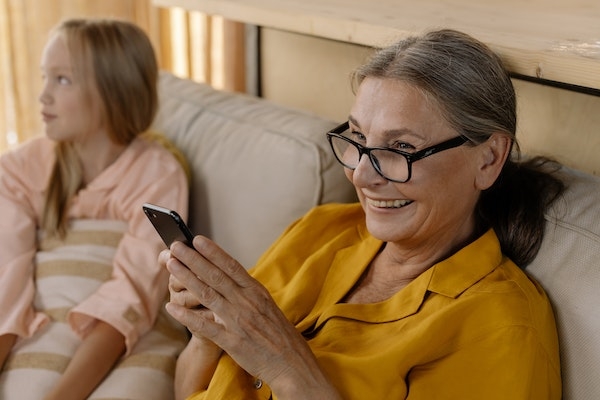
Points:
x=257, y=384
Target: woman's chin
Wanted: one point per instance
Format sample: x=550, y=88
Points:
x=387, y=231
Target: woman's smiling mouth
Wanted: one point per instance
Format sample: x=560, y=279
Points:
x=388, y=203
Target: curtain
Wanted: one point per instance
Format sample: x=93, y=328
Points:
x=189, y=44
x=203, y=48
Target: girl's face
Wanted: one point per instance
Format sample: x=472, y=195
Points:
x=436, y=206
x=68, y=113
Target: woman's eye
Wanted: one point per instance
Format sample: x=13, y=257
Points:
x=63, y=80
x=402, y=146
x=357, y=137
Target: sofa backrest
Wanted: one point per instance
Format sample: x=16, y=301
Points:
x=256, y=166
x=568, y=267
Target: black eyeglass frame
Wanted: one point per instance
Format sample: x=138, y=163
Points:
x=410, y=157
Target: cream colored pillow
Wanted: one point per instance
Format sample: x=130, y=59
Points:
x=568, y=267
x=256, y=166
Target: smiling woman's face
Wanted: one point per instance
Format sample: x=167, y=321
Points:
x=437, y=204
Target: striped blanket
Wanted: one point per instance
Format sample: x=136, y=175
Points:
x=66, y=273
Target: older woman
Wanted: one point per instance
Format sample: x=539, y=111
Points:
x=415, y=292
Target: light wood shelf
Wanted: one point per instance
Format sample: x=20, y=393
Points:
x=555, y=40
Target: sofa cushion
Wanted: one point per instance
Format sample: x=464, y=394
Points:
x=256, y=166
x=568, y=267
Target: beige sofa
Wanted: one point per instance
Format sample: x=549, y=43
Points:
x=258, y=166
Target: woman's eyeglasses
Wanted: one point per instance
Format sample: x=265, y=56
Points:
x=394, y=165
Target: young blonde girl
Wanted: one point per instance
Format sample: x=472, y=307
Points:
x=80, y=288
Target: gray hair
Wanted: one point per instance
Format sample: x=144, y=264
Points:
x=464, y=77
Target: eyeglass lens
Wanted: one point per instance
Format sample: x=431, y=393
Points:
x=391, y=165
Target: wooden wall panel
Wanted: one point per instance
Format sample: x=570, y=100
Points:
x=312, y=73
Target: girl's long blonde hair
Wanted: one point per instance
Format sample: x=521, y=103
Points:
x=116, y=60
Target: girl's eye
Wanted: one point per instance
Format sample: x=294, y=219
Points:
x=63, y=80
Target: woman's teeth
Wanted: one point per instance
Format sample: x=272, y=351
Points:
x=389, y=203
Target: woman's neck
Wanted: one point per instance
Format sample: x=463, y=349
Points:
x=395, y=266
x=383, y=278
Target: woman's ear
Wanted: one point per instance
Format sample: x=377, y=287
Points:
x=492, y=156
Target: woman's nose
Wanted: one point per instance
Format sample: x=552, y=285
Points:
x=365, y=174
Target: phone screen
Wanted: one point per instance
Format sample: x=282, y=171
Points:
x=169, y=225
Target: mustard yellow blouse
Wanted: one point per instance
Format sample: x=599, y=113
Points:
x=473, y=326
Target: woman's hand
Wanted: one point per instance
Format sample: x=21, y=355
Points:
x=197, y=362
x=216, y=298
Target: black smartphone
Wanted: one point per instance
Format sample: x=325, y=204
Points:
x=169, y=225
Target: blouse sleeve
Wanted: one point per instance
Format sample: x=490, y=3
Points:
x=131, y=299
x=21, y=183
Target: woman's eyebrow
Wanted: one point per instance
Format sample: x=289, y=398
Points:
x=391, y=133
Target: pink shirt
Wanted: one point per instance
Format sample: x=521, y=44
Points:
x=145, y=172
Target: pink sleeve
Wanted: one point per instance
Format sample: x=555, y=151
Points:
x=131, y=299
x=21, y=185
